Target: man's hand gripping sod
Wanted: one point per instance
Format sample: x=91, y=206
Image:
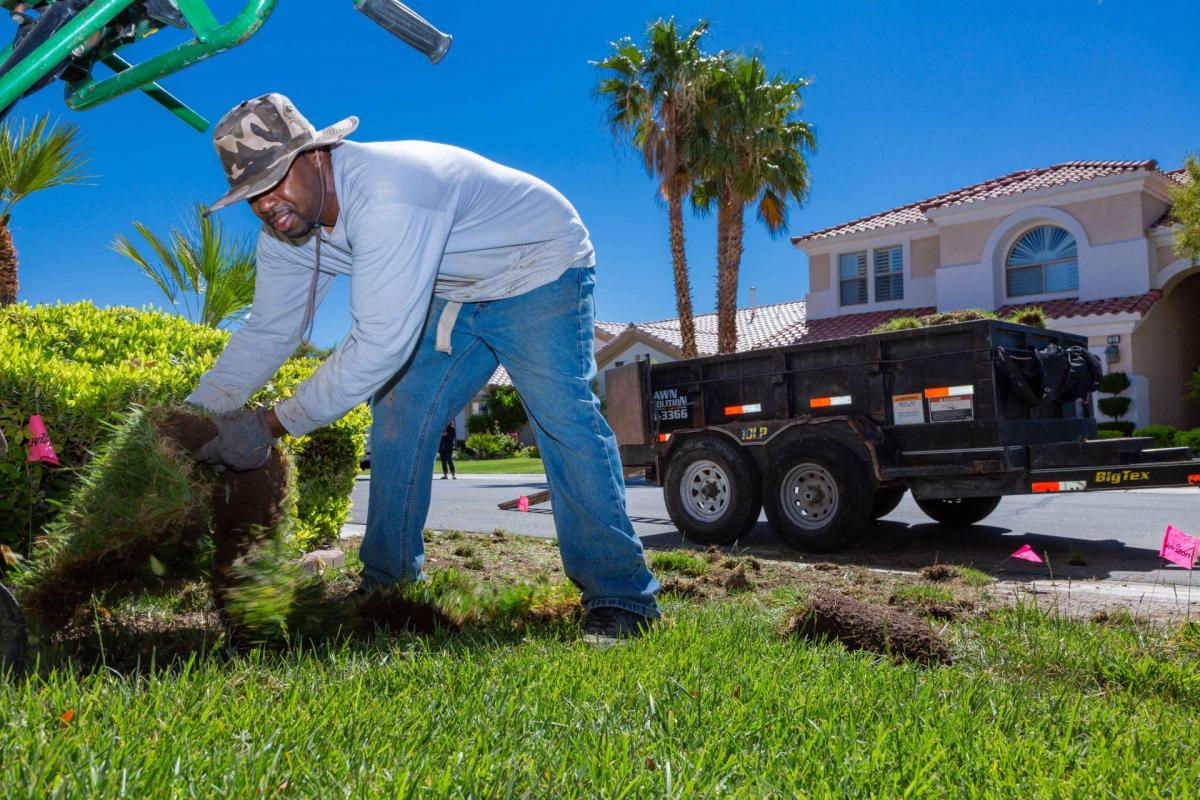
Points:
x=244, y=441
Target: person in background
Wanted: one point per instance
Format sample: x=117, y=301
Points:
x=446, y=451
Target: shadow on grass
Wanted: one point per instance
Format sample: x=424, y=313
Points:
x=445, y=612
x=130, y=648
x=895, y=545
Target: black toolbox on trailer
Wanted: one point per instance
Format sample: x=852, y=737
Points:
x=830, y=434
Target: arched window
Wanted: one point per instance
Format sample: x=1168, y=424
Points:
x=1042, y=261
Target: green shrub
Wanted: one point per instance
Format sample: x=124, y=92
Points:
x=1163, y=435
x=487, y=446
x=1108, y=434
x=1114, y=406
x=1114, y=383
x=898, y=324
x=1125, y=428
x=479, y=423
x=1189, y=439
x=1032, y=316
x=82, y=367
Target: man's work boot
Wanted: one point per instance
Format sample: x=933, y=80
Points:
x=608, y=625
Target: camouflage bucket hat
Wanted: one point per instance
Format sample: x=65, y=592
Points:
x=259, y=139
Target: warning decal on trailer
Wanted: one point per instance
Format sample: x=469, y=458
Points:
x=951, y=407
x=908, y=409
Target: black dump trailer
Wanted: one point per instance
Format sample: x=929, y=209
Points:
x=828, y=436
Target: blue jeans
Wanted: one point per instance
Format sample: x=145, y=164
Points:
x=544, y=339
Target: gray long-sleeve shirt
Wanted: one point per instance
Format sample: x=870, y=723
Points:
x=416, y=219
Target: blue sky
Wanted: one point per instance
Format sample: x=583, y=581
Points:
x=908, y=100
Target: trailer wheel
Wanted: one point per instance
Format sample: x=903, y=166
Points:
x=819, y=496
x=959, y=511
x=713, y=491
x=14, y=638
x=886, y=501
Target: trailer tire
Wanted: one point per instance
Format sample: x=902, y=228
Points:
x=886, y=501
x=819, y=496
x=712, y=490
x=959, y=511
x=14, y=637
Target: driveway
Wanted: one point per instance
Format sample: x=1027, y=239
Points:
x=1116, y=535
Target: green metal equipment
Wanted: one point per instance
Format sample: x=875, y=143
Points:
x=66, y=39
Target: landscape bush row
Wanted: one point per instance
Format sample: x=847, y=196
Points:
x=82, y=368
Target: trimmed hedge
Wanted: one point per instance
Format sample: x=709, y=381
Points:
x=1114, y=383
x=82, y=367
x=1163, y=435
x=1189, y=439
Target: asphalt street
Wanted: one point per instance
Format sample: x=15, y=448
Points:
x=1110, y=535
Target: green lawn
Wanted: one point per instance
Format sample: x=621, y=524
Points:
x=499, y=465
x=715, y=702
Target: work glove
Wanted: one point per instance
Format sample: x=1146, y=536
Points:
x=243, y=442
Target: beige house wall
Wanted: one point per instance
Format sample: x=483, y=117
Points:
x=1152, y=209
x=1110, y=219
x=1166, y=350
x=1166, y=256
x=819, y=279
x=963, y=243
x=925, y=255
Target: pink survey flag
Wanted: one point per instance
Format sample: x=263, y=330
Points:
x=1025, y=553
x=1179, y=548
x=522, y=503
x=40, y=448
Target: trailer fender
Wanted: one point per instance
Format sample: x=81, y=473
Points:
x=857, y=434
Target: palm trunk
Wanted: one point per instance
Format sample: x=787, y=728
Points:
x=683, y=288
x=8, y=266
x=727, y=279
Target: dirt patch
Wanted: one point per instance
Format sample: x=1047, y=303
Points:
x=939, y=572
x=864, y=626
x=738, y=581
x=825, y=566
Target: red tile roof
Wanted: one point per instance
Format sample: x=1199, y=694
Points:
x=844, y=325
x=1026, y=180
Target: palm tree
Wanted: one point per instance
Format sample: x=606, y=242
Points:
x=652, y=94
x=41, y=156
x=755, y=151
x=209, y=274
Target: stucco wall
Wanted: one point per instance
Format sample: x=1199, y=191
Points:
x=925, y=255
x=963, y=243
x=1166, y=350
x=819, y=279
x=1166, y=256
x=1152, y=209
x=1110, y=219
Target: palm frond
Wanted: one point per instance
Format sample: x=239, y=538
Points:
x=209, y=272
x=38, y=156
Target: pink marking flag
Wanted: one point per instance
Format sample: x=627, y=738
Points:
x=40, y=448
x=1025, y=553
x=1179, y=548
x=522, y=503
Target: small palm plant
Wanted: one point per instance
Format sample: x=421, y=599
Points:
x=34, y=157
x=206, y=275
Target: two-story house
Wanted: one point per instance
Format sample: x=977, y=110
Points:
x=1090, y=242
